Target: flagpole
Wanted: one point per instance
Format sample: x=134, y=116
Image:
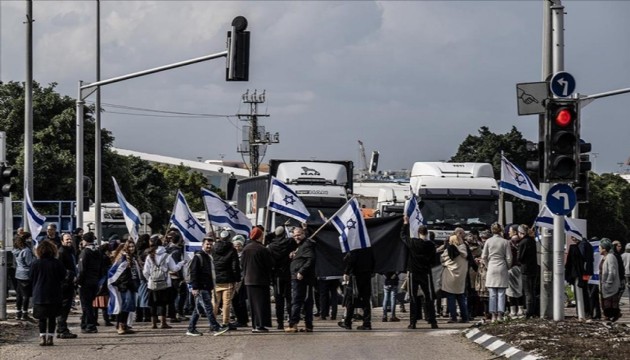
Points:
x=501, y=196
x=328, y=220
x=207, y=214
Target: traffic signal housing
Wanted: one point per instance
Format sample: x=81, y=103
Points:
x=581, y=186
x=238, y=51
x=536, y=158
x=561, y=141
x=6, y=176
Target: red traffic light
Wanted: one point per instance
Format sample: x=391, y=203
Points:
x=564, y=117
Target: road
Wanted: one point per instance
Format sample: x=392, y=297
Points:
x=328, y=341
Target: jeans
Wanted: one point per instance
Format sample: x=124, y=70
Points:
x=529, y=288
x=363, y=299
x=23, y=296
x=461, y=302
x=497, y=300
x=203, y=302
x=302, y=297
x=328, y=299
x=389, y=297
x=87, y=293
x=62, y=319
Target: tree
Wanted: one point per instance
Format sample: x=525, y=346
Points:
x=189, y=182
x=608, y=208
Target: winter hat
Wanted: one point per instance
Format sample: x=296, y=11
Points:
x=238, y=239
x=255, y=234
x=224, y=234
x=605, y=243
x=279, y=230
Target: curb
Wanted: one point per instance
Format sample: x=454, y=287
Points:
x=497, y=346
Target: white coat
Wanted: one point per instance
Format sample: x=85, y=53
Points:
x=498, y=257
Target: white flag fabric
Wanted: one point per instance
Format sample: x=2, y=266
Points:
x=285, y=201
x=414, y=215
x=131, y=214
x=223, y=214
x=35, y=220
x=351, y=226
x=186, y=222
x=545, y=220
x=515, y=181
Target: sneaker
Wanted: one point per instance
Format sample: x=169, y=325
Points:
x=193, y=332
x=219, y=331
x=344, y=325
x=394, y=319
x=230, y=326
x=291, y=329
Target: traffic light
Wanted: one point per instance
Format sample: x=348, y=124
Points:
x=536, y=151
x=581, y=186
x=561, y=141
x=6, y=175
x=238, y=51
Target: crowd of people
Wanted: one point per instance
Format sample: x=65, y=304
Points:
x=229, y=280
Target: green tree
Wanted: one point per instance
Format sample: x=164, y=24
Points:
x=608, y=210
x=487, y=147
x=189, y=182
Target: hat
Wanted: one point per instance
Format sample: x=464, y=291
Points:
x=224, y=235
x=238, y=239
x=255, y=234
x=209, y=235
x=89, y=237
x=77, y=231
x=605, y=243
x=279, y=230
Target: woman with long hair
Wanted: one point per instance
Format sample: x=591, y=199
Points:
x=47, y=274
x=123, y=280
x=23, y=255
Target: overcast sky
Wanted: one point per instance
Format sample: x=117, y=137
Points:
x=409, y=79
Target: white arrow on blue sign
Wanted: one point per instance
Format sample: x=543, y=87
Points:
x=562, y=84
x=561, y=199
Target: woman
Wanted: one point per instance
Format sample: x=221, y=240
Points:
x=23, y=259
x=123, y=283
x=609, y=280
x=157, y=259
x=480, y=280
x=497, y=256
x=143, y=311
x=101, y=300
x=47, y=273
x=455, y=264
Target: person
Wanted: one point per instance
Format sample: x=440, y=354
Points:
x=421, y=258
x=66, y=254
x=202, y=282
x=497, y=256
x=514, y=290
x=228, y=273
x=358, y=270
x=303, y=280
x=179, y=289
x=617, y=250
x=158, y=262
x=77, y=237
x=239, y=300
x=123, y=281
x=52, y=235
x=593, y=289
x=609, y=280
x=626, y=265
x=257, y=266
x=89, y=272
x=574, y=269
x=586, y=250
x=143, y=311
x=455, y=263
x=480, y=281
x=47, y=273
x=390, y=290
x=23, y=255
x=101, y=300
x=529, y=269
x=281, y=247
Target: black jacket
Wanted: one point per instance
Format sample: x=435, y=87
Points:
x=201, y=272
x=47, y=275
x=226, y=264
x=359, y=262
x=68, y=259
x=420, y=255
x=257, y=264
x=527, y=256
x=90, y=266
x=280, y=249
x=176, y=253
x=304, y=261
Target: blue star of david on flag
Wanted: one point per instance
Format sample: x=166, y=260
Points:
x=183, y=219
x=293, y=206
x=351, y=227
x=222, y=214
x=515, y=181
x=289, y=200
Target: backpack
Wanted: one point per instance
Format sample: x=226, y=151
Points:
x=158, y=278
x=187, y=269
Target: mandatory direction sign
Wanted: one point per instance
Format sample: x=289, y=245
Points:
x=562, y=84
x=561, y=199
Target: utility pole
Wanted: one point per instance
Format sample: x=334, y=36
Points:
x=256, y=137
x=28, y=110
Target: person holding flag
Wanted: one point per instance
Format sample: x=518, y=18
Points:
x=303, y=280
x=123, y=281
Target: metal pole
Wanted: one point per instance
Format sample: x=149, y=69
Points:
x=546, y=310
x=79, y=156
x=97, y=133
x=558, y=267
x=3, y=243
x=28, y=110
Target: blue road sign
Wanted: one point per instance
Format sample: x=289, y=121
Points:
x=562, y=84
x=561, y=199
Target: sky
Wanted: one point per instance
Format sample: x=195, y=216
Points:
x=410, y=79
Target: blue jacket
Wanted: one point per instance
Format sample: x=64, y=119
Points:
x=23, y=261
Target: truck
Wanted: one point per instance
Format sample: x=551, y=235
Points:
x=387, y=198
x=324, y=186
x=454, y=195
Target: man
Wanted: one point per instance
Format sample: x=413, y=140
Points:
x=179, y=289
x=420, y=259
x=586, y=249
x=68, y=259
x=202, y=283
x=228, y=273
x=90, y=270
x=281, y=247
x=358, y=269
x=51, y=234
x=257, y=266
x=303, y=280
x=527, y=254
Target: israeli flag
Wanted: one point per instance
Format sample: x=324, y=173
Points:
x=545, y=220
x=351, y=226
x=184, y=220
x=131, y=214
x=115, y=299
x=285, y=201
x=35, y=220
x=414, y=215
x=223, y=214
x=515, y=181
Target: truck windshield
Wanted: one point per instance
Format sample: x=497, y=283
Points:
x=451, y=213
